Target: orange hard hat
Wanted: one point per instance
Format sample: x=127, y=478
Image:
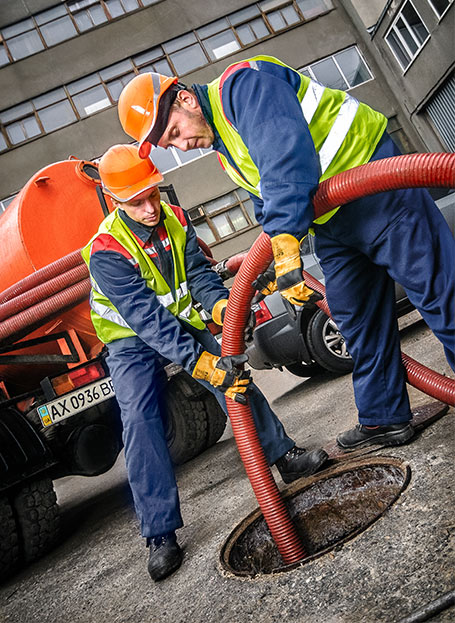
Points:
x=125, y=175
x=139, y=107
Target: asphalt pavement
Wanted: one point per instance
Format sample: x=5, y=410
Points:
x=400, y=563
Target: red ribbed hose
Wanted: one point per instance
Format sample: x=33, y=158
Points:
x=42, y=291
x=272, y=505
x=30, y=319
x=418, y=170
x=43, y=274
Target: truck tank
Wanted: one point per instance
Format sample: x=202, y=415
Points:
x=55, y=213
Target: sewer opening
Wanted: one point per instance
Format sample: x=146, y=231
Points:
x=327, y=510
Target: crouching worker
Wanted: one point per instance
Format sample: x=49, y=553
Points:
x=145, y=266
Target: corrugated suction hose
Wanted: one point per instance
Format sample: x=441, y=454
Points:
x=433, y=170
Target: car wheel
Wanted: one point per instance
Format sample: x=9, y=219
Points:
x=326, y=344
x=305, y=370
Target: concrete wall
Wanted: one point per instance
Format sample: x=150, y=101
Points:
x=92, y=136
x=428, y=70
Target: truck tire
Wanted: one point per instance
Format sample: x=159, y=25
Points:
x=326, y=344
x=187, y=425
x=37, y=517
x=9, y=542
x=195, y=419
x=216, y=419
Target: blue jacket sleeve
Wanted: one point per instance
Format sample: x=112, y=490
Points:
x=267, y=115
x=139, y=307
x=203, y=282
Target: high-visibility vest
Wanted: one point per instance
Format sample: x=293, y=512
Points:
x=345, y=132
x=108, y=322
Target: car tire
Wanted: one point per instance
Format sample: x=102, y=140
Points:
x=305, y=370
x=37, y=518
x=326, y=344
x=9, y=541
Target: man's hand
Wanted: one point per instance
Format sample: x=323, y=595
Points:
x=266, y=281
x=288, y=270
x=224, y=373
x=219, y=312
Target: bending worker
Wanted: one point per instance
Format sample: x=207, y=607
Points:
x=363, y=247
x=145, y=266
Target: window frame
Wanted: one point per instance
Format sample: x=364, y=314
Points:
x=206, y=217
x=441, y=15
x=397, y=34
x=308, y=68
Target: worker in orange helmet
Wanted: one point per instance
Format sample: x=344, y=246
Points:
x=146, y=266
x=278, y=133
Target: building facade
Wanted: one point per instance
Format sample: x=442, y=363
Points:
x=63, y=65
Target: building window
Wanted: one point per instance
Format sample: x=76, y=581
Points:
x=22, y=39
x=169, y=159
x=440, y=6
x=344, y=70
x=178, y=56
x=223, y=217
x=45, y=29
x=55, y=25
x=440, y=110
x=407, y=35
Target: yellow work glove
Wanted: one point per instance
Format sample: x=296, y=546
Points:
x=224, y=373
x=219, y=311
x=288, y=270
x=265, y=283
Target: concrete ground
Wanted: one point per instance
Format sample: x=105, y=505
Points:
x=402, y=562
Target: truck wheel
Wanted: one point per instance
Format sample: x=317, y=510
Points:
x=326, y=344
x=187, y=425
x=37, y=517
x=9, y=547
x=216, y=418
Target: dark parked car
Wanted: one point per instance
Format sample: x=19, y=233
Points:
x=311, y=342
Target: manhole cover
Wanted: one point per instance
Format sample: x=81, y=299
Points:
x=327, y=509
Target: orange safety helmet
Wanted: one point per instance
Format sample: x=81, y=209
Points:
x=125, y=175
x=138, y=107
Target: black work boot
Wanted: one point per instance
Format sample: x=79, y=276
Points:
x=297, y=462
x=360, y=436
x=165, y=556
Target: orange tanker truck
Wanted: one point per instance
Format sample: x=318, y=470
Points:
x=58, y=412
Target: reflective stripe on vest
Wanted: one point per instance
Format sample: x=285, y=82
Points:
x=108, y=322
x=345, y=132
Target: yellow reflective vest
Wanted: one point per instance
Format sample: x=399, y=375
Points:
x=109, y=324
x=345, y=132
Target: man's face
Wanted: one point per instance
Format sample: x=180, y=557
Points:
x=186, y=127
x=145, y=208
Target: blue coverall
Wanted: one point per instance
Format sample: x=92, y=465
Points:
x=398, y=235
x=137, y=365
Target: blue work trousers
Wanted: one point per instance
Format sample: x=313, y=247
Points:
x=139, y=380
x=392, y=236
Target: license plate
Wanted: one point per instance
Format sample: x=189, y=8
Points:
x=75, y=402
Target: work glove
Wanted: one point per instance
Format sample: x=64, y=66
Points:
x=225, y=374
x=265, y=283
x=219, y=312
x=288, y=270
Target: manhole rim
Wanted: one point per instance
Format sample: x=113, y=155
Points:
x=301, y=485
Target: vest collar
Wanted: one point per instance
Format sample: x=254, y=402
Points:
x=201, y=91
x=142, y=232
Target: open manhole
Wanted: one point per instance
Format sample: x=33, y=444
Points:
x=327, y=510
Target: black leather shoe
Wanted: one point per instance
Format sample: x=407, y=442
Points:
x=297, y=463
x=165, y=556
x=360, y=436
